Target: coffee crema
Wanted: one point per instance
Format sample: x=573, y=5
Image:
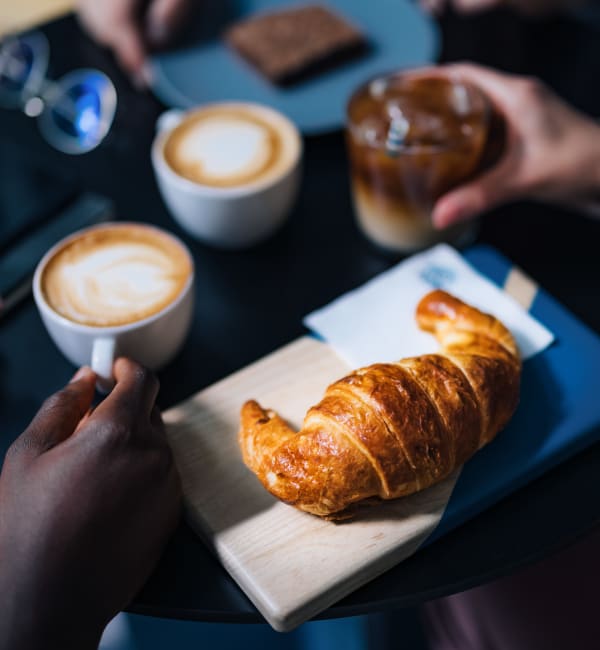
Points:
x=228, y=146
x=115, y=275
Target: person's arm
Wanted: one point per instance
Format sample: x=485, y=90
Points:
x=87, y=504
x=133, y=27
x=552, y=151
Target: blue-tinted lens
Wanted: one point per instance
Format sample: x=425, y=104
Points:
x=79, y=111
x=23, y=63
x=16, y=63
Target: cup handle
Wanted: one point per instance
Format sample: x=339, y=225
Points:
x=103, y=356
x=169, y=120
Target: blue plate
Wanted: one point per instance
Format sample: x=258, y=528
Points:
x=206, y=70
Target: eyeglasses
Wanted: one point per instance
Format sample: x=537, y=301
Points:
x=74, y=113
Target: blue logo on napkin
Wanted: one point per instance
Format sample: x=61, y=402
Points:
x=438, y=277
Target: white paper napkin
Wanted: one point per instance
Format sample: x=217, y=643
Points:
x=376, y=322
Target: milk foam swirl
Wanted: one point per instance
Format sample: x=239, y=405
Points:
x=231, y=145
x=113, y=282
x=226, y=148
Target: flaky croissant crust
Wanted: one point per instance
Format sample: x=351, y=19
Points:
x=392, y=429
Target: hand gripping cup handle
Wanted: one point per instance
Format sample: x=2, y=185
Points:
x=152, y=337
x=103, y=357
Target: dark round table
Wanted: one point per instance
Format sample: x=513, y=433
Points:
x=318, y=255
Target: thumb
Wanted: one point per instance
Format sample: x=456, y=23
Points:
x=59, y=415
x=128, y=46
x=163, y=19
x=476, y=6
x=472, y=199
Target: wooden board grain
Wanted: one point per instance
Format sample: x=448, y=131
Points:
x=290, y=564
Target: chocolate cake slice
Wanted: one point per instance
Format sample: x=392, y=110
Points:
x=290, y=44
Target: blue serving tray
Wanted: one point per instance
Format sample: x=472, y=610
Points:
x=558, y=414
x=400, y=34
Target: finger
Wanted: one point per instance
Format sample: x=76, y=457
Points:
x=498, y=86
x=163, y=20
x=472, y=199
x=475, y=6
x=133, y=397
x=156, y=419
x=59, y=415
x=128, y=45
x=116, y=25
x=434, y=7
x=83, y=421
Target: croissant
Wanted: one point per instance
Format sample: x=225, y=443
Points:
x=391, y=429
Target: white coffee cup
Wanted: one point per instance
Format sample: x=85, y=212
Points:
x=152, y=341
x=232, y=216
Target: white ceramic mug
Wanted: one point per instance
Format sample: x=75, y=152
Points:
x=152, y=341
x=227, y=217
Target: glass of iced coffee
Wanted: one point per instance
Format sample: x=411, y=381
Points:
x=412, y=136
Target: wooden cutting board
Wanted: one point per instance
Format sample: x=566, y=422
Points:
x=290, y=564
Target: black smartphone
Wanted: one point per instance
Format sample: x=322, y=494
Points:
x=37, y=209
x=29, y=195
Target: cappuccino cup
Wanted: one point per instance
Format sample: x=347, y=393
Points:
x=117, y=289
x=229, y=172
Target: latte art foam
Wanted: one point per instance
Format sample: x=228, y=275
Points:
x=115, y=275
x=229, y=146
x=222, y=149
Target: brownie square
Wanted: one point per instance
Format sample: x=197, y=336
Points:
x=293, y=43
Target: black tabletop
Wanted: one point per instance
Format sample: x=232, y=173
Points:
x=318, y=255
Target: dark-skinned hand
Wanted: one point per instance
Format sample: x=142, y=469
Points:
x=88, y=501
